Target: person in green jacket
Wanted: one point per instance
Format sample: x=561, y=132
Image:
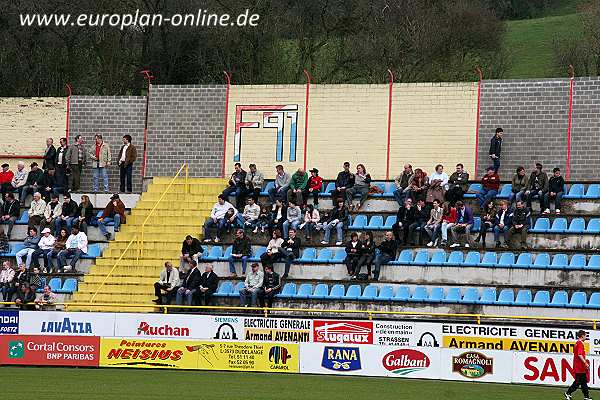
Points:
x=297, y=185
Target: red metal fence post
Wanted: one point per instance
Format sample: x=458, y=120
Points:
x=480, y=73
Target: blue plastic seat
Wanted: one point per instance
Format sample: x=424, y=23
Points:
x=236, y=290
x=594, y=301
x=505, y=192
x=490, y=258
x=560, y=299
x=438, y=258
x=506, y=260
x=321, y=292
x=337, y=292
x=593, y=191
x=578, y=300
x=402, y=294
x=380, y=185
x=14, y=249
x=560, y=261
x=506, y=297
x=304, y=291
x=257, y=253
x=324, y=256
x=542, y=260
x=23, y=219
x=226, y=254
x=578, y=261
x=93, y=251
x=455, y=259
x=69, y=286
x=559, y=225
x=215, y=253
x=474, y=188
x=542, y=225
x=288, y=291
x=390, y=188
x=328, y=189
x=265, y=191
x=370, y=293
x=421, y=258
x=308, y=255
x=594, y=262
x=453, y=296
x=488, y=296
x=339, y=258
x=224, y=289
x=386, y=293
x=524, y=297
x=476, y=224
x=420, y=294
x=577, y=191
x=360, y=221
x=472, y=259
x=375, y=223
x=524, y=260
x=55, y=285
x=404, y=258
x=577, y=225
x=470, y=296
x=389, y=221
x=436, y=295
x=593, y=226
x=541, y=299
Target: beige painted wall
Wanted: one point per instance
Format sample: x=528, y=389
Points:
x=431, y=124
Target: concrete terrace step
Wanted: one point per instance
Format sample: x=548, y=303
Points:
x=188, y=204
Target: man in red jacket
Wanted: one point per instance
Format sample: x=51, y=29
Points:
x=490, y=184
x=581, y=368
x=314, y=187
x=6, y=177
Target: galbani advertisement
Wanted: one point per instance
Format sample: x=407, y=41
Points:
x=49, y=350
x=551, y=369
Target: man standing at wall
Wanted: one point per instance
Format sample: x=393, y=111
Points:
x=581, y=368
x=101, y=158
x=496, y=148
x=127, y=156
x=76, y=158
x=61, y=165
x=49, y=155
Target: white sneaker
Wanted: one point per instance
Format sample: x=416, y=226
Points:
x=557, y=211
x=324, y=242
x=547, y=211
x=429, y=244
x=467, y=245
x=255, y=230
x=454, y=245
x=338, y=243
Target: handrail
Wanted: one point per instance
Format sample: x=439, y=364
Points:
x=113, y=268
x=141, y=242
x=370, y=313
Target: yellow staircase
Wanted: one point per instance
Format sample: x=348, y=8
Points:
x=182, y=211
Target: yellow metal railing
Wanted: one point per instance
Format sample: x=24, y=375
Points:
x=310, y=312
x=113, y=268
x=187, y=189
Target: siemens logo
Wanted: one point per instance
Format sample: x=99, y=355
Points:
x=66, y=326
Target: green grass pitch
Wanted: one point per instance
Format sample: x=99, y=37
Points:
x=81, y=383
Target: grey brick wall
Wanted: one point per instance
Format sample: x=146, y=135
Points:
x=112, y=117
x=186, y=125
x=585, y=132
x=534, y=116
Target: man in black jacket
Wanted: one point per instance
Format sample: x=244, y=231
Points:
x=271, y=287
x=345, y=180
x=10, y=212
x=556, y=188
x=404, y=218
x=241, y=250
x=458, y=184
x=190, y=285
x=50, y=184
x=290, y=249
x=68, y=214
x=49, y=155
x=34, y=182
x=237, y=186
x=496, y=149
x=537, y=186
x=520, y=224
x=420, y=215
x=191, y=248
x=208, y=285
x=353, y=254
x=387, y=253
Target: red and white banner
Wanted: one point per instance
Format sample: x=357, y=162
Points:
x=50, y=350
x=550, y=369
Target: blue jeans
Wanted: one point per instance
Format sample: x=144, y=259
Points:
x=97, y=172
x=210, y=223
x=309, y=229
x=232, y=260
x=250, y=224
x=63, y=254
x=187, y=293
x=115, y=218
x=338, y=227
x=58, y=222
x=444, y=230
x=286, y=227
x=24, y=253
x=514, y=197
x=400, y=196
x=274, y=194
x=485, y=195
x=498, y=231
x=244, y=293
x=381, y=259
x=236, y=192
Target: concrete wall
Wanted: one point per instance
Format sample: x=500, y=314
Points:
x=585, y=146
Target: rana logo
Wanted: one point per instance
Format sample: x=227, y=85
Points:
x=16, y=349
x=404, y=362
x=279, y=355
x=473, y=365
x=341, y=359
